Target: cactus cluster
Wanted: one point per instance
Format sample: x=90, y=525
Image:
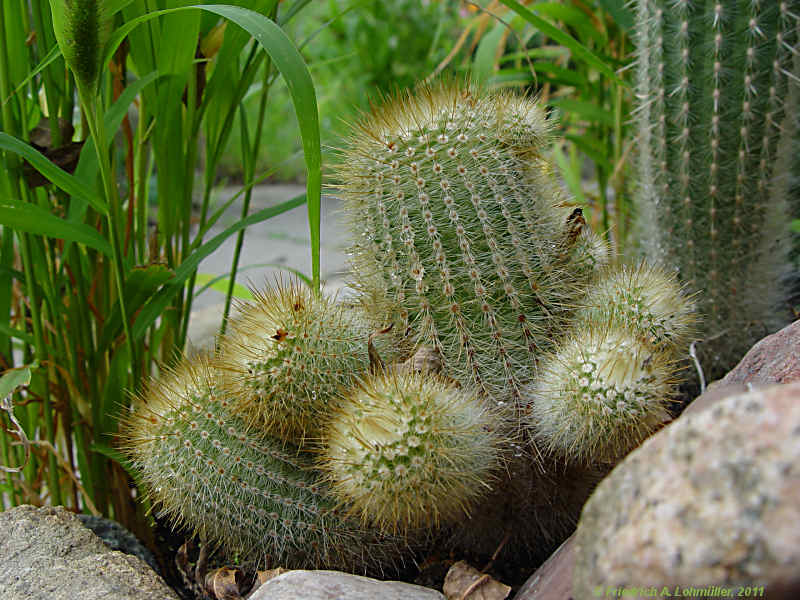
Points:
x=236, y=486
x=717, y=92
x=310, y=438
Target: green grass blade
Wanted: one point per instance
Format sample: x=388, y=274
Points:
x=298, y=80
x=578, y=50
x=220, y=282
x=57, y=176
x=34, y=219
x=486, y=54
x=12, y=332
x=54, y=53
x=291, y=65
x=584, y=110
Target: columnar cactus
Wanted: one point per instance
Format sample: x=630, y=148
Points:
x=237, y=487
x=714, y=79
x=409, y=451
x=288, y=355
x=458, y=221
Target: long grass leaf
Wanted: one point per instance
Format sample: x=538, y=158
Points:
x=298, y=80
x=578, y=50
x=13, y=332
x=34, y=219
x=54, y=174
x=51, y=56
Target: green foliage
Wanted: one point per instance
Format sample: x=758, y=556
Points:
x=573, y=54
x=717, y=112
x=357, y=50
x=98, y=267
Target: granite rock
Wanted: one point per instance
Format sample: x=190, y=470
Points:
x=47, y=554
x=775, y=359
x=709, y=500
x=116, y=537
x=333, y=585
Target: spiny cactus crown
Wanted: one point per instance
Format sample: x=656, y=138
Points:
x=235, y=486
x=459, y=223
x=644, y=298
x=289, y=354
x=408, y=450
x=601, y=393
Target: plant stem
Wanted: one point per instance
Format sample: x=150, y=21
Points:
x=114, y=219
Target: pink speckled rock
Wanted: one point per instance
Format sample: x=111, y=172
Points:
x=775, y=359
x=553, y=580
x=711, y=499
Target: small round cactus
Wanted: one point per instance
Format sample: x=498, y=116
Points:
x=235, y=486
x=600, y=394
x=288, y=355
x=409, y=450
x=645, y=298
x=460, y=225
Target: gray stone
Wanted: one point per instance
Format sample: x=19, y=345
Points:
x=709, y=500
x=333, y=585
x=47, y=554
x=116, y=537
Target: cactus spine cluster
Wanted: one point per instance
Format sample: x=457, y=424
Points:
x=459, y=224
x=236, y=486
x=409, y=450
x=715, y=124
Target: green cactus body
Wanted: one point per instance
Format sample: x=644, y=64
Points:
x=646, y=299
x=460, y=224
x=236, y=487
x=714, y=123
x=600, y=394
x=409, y=451
x=289, y=354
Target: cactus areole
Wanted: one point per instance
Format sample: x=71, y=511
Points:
x=460, y=229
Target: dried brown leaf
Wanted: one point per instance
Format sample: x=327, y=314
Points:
x=225, y=583
x=464, y=582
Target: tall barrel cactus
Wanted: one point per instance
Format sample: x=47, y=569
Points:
x=460, y=227
x=717, y=118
